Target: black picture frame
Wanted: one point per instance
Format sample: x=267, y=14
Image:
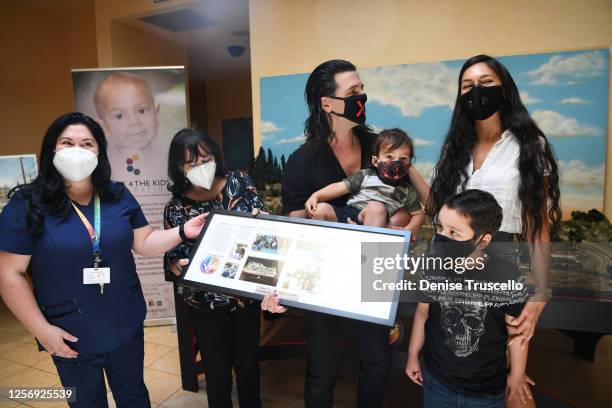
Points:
x=389, y=321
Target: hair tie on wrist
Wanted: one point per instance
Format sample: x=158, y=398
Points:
x=182, y=232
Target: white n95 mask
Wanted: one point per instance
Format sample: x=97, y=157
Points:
x=203, y=175
x=75, y=163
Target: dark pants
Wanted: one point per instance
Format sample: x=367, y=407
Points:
x=229, y=339
x=326, y=337
x=124, y=369
x=436, y=394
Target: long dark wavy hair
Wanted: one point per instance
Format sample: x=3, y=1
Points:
x=190, y=141
x=535, y=159
x=321, y=82
x=48, y=191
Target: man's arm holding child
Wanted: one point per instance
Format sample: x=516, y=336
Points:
x=417, y=339
x=328, y=193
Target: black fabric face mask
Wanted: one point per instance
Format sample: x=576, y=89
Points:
x=482, y=101
x=445, y=247
x=354, y=108
x=391, y=172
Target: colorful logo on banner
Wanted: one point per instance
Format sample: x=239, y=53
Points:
x=131, y=162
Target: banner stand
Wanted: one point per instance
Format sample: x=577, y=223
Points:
x=160, y=322
x=153, y=101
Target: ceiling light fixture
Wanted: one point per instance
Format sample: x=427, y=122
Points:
x=235, y=50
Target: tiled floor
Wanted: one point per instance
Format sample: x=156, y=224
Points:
x=557, y=373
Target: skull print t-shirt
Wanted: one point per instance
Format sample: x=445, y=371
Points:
x=465, y=341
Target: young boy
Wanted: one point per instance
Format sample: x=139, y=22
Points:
x=130, y=118
x=381, y=195
x=461, y=339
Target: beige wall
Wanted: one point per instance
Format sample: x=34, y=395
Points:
x=41, y=45
x=227, y=98
x=295, y=36
x=37, y=50
x=210, y=101
x=132, y=47
x=107, y=12
x=123, y=45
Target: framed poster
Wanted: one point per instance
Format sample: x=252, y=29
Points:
x=313, y=265
x=15, y=170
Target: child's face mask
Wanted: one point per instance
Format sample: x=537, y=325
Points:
x=444, y=247
x=391, y=172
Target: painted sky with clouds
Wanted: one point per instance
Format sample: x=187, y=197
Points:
x=566, y=93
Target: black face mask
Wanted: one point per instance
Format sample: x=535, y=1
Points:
x=482, y=101
x=445, y=247
x=391, y=172
x=354, y=108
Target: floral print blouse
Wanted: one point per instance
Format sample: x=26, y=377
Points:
x=238, y=194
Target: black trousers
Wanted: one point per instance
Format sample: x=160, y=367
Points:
x=326, y=337
x=229, y=339
x=124, y=369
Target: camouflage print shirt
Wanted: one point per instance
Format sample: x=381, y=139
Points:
x=365, y=185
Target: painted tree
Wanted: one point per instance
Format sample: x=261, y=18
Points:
x=258, y=174
x=277, y=171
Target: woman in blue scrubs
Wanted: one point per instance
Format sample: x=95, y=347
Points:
x=76, y=229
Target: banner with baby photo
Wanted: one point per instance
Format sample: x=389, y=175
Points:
x=140, y=110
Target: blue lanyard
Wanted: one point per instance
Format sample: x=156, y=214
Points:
x=94, y=233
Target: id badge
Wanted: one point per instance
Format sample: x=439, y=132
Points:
x=96, y=276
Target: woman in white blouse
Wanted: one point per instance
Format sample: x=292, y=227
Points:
x=494, y=145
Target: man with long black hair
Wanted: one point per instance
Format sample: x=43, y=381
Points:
x=338, y=143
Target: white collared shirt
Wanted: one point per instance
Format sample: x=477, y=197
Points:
x=500, y=176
